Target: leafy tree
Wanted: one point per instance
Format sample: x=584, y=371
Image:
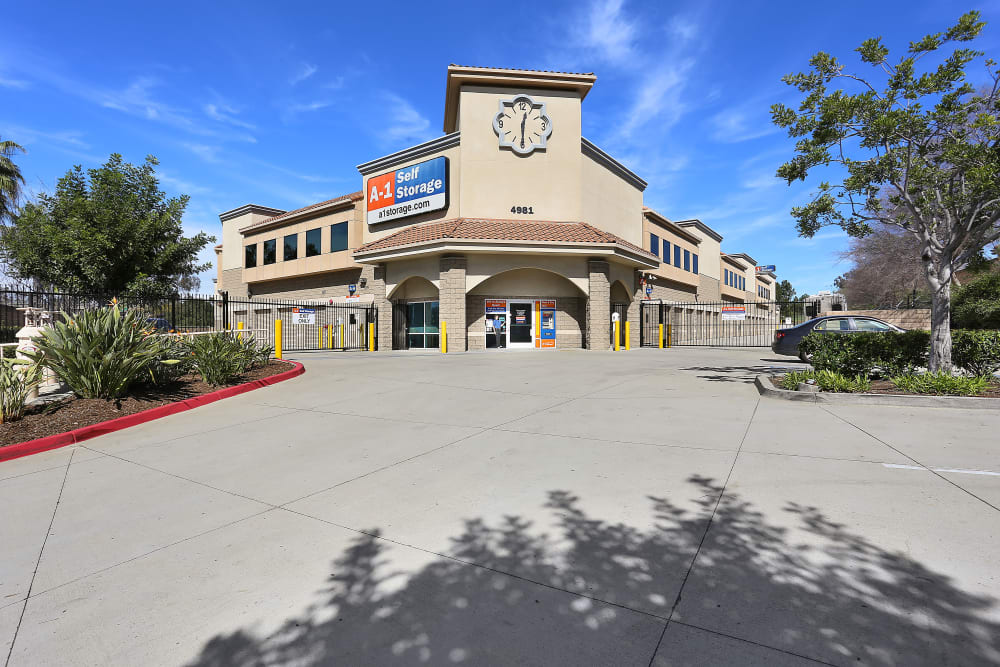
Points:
x=11, y=179
x=977, y=303
x=927, y=142
x=784, y=291
x=110, y=229
x=886, y=271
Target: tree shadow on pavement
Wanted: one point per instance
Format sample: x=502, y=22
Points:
x=829, y=594
x=742, y=374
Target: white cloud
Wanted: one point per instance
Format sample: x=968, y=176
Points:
x=763, y=179
x=206, y=153
x=304, y=72
x=27, y=136
x=227, y=114
x=682, y=28
x=180, y=185
x=404, y=124
x=606, y=32
x=658, y=99
x=307, y=106
x=12, y=83
x=734, y=125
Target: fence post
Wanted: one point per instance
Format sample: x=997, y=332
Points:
x=225, y=311
x=660, y=340
x=277, y=339
x=173, y=311
x=444, y=338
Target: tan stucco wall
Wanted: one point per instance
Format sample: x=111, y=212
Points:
x=493, y=179
x=325, y=261
x=397, y=272
x=232, y=239
x=378, y=230
x=709, y=255
x=667, y=269
x=481, y=267
x=609, y=202
x=528, y=282
x=315, y=286
x=415, y=288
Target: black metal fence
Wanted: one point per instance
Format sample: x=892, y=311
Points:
x=307, y=325
x=720, y=323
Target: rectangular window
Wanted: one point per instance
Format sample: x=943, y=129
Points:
x=666, y=251
x=422, y=325
x=725, y=277
x=314, y=245
x=270, y=251
x=291, y=247
x=654, y=244
x=338, y=237
x=694, y=264
x=677, y=256
x=687, y=260
x=250, y=256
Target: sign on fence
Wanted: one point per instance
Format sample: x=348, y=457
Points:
x=303, y=316
x=734, y=313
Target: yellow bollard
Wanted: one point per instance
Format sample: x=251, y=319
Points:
x=329, y=336
x=239, y=327
x=320, y=332
x=342, y=345
x=617, y=338
x=628, y=336
x=661, y=336
x=444, y=338
x=669, y=333
x=371, y=336
x=277, y=339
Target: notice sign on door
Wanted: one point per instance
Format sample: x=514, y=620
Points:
x=303, y=316
x=496, y=305
x=734, y=313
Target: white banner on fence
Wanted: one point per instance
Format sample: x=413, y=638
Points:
x=303, y=316
x=734, y=313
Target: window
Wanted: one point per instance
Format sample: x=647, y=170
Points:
x=666, y=251
x=270, y=251
x=291, y=247
x=338, y=237
x=687, y=260
x=677, y=256
x=726, y=276
x=864, y=324
x=314, y=245
x=835, y=324
x=250, y=256
x=694, y=264
x=422, y=325
x=654, y=244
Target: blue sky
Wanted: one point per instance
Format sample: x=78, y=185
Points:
x=275, y=103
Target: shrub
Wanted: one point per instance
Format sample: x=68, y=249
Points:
x=976, y=305
x=835, y=382
x=173, y=359
x=978, y=352
x=17, y=379
x=862, y=352
x=792, y=379
x=99, y=353
x=941, y=384
x=221, y=357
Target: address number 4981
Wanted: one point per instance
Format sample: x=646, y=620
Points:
x=522, y=210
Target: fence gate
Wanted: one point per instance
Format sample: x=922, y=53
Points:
x=719, y=323
x=622, y=310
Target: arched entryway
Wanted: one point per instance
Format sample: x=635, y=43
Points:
x=415, y=315
x=526, y=307
x=621, y=298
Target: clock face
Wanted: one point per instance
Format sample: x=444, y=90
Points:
x=521, y=124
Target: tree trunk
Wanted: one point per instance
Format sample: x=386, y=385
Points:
x=940, y=359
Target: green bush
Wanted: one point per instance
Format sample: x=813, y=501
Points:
x=835, y=382
x=860, y=353
x=941, y=384
x=17, y=379
x=99, y=353
x=222, y=357
x=173, y=359
x=978, y=352
x=976, y=305
x=792, y=379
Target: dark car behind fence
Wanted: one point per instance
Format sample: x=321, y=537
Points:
x=307, y=325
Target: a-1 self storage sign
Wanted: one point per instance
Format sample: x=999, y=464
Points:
x=419, y=188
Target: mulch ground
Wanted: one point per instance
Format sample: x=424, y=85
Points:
x=72, y=413
x=886, y=387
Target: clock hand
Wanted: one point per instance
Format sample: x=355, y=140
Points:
x=523, y=119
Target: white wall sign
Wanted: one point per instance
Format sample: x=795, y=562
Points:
x=734, y=313
x=303, y=316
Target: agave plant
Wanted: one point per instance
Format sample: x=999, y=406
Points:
x=17, y=378
x=99, y=353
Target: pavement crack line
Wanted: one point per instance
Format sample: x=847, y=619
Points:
x=904, y=454
x=704, y=536
x=38, y=560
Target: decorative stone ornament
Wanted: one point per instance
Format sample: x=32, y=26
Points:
x=522, y=125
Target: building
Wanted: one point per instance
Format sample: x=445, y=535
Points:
x=511, y=227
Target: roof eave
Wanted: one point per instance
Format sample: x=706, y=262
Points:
x=344, y=203
x=500, y=245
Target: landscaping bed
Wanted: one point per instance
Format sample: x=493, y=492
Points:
x=73, y=413
x=886, y=387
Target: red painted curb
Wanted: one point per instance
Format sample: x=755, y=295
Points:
x=94, y=430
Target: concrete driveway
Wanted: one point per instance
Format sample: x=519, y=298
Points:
x=644, y=507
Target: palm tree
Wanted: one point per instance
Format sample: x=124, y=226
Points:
x=11, y=179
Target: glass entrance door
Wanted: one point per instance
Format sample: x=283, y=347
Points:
x=520, y=325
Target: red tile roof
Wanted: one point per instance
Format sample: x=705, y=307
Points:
x=354, y=196
x=490, y=229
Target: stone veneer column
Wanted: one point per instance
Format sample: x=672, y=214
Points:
x=375, y=277
x=452, y=301
x=598, y=305
x=634, y=314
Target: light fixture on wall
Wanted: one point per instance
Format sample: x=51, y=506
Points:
x=362, y=282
